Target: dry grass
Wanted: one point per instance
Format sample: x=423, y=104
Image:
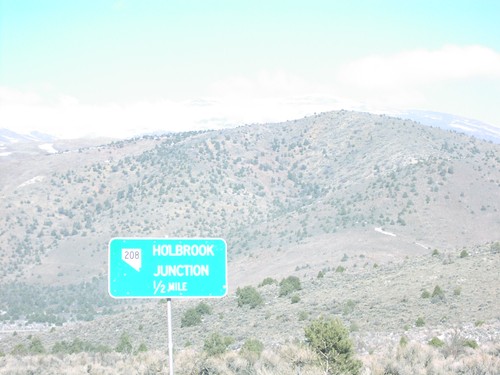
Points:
x=421, y=359
x=411, y=359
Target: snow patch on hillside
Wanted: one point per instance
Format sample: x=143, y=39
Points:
x=31, y=181
x=49, y=147
x=380, y=230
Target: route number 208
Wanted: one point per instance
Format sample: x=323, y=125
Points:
x=134, y=254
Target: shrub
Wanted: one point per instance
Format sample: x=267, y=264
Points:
x=436, y=342
x=268, y=281
x=321, y=274
x=19, y=349
x=216, y=344
x=203, y=308
x=190, y=318
x=248, y=295
x=437, y=294
x=78, y=346
x=289, y=285
x=420, y=322
x=403, y=341
x=495, y=247
x=340, y=269
x=354, y=327
x=349, y=307
x=426, y=294
x=464, y=254
x=471, y=343
x=36, y=346
x=124, y=345
x=295, y=298
x=252, y=347
x=329, y=338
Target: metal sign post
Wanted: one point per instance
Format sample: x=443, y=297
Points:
x=170, y=341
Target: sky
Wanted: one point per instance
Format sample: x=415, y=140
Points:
x=119, y=68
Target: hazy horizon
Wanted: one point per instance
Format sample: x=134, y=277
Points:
x=120, y=68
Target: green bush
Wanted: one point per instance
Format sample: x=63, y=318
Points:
x=341, y=269
x=426, y=294
x=36, y=346
x=436, y=342
x=124, y=345
x=252, y=347
x=303, y=315
x=289, y=285
x=329, y=338
x=403, y=341
x=248, y=295
x=349, y=307
x=420, y=322
x=464, y=254
x=437, y=294
x=495, y=247
x=268, y=281
x=216, y=344
x=190, y=318
x=471, y=343
x=295, y=298
x=203, y=308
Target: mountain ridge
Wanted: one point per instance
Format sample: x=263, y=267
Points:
x=261, y=186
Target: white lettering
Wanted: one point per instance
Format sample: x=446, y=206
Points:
x=183, y=270
x=183, y=250
x=162, y=250
x=181, y=287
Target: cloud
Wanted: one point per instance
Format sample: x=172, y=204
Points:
x=379, y=84
x=237, y=100
x=68, y=118
x=417, y=68
x=264, y=84
x=10, y=96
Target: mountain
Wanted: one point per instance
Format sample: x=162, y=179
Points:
x=460, y=124
x=268, y=187
x=373, y=194
x=8, y=136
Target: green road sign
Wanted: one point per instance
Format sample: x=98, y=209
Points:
x=167, y=267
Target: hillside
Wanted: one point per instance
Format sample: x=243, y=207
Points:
x=303, y=193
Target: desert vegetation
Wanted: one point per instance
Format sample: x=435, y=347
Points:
x=376, y=231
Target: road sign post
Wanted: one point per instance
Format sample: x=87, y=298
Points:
x=167, y=268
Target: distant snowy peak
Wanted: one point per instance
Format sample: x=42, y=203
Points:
x=460, y=124
x=8, y=137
